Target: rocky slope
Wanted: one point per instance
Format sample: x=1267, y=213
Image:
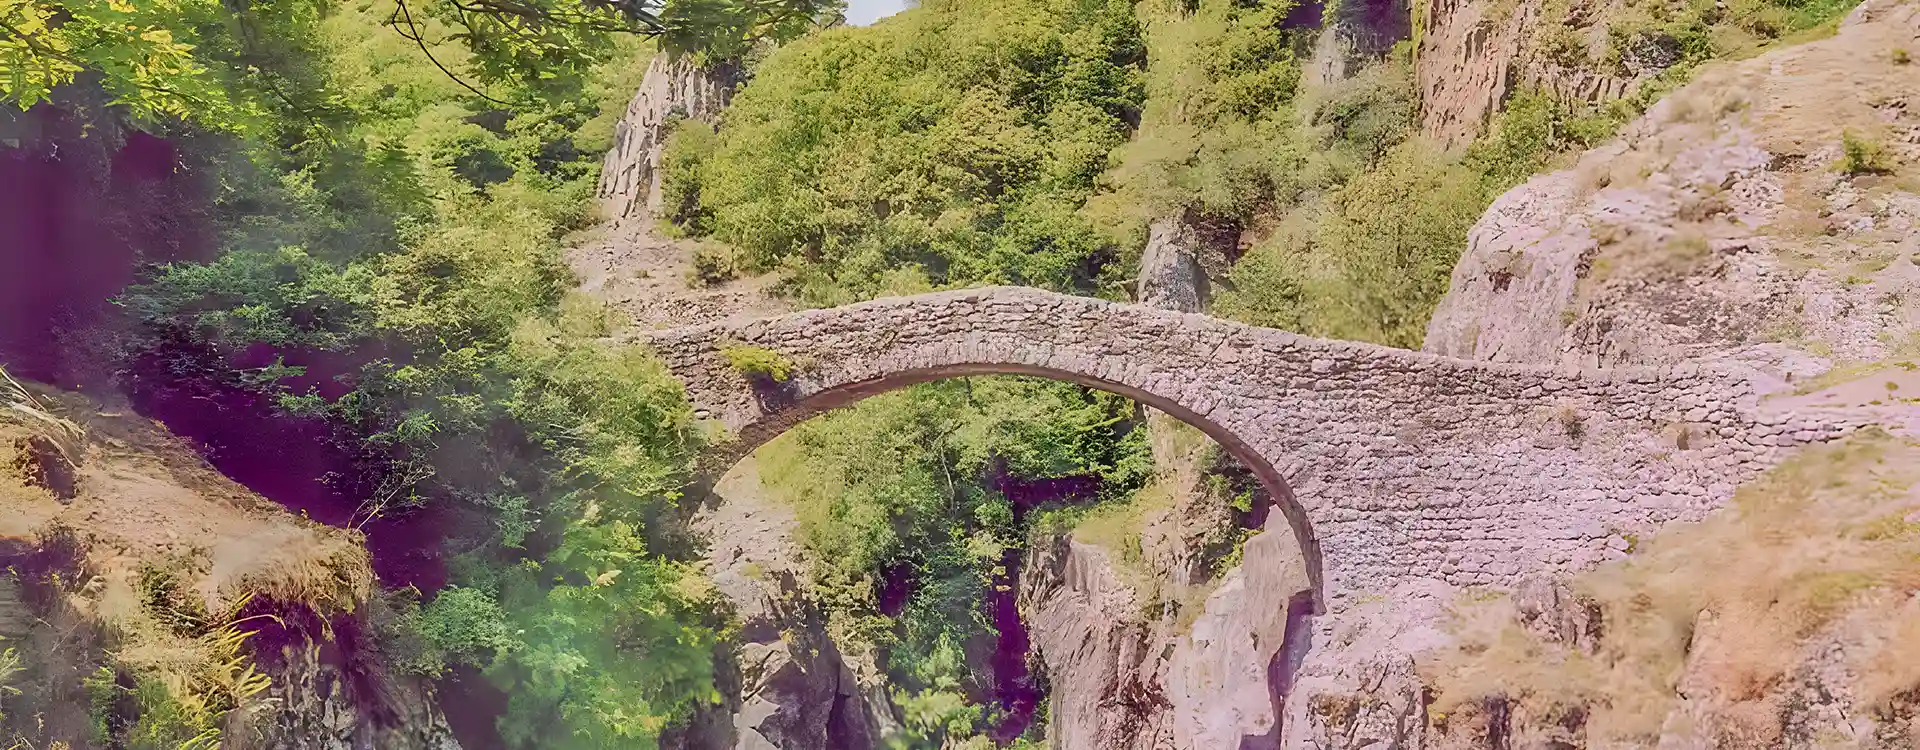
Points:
x=1728, y=224
x=124, y=551
x=1762, y=217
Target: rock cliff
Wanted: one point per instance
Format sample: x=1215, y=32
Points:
x=1762, y=217
x=1725, y=225
x=674, y=89
x=1473, y=55
x=796, y=689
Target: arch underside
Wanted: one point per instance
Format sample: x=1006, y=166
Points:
x=782, y=409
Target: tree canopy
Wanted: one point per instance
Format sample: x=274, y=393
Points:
x=196, y=60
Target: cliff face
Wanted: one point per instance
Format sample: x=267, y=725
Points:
x=1728, y=224
x=673, y=90
x=1125, y=673
x=796, y=689
x=1473, y=55
x=1762, y=217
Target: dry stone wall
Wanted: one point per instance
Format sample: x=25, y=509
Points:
x=1392, y=466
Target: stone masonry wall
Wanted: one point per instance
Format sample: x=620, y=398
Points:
x=1393, y=465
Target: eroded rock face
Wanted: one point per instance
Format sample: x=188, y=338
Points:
x=1357, y=687
x=1229, y=676
x=673, y=90
x=797, y=690
x=1171, y=275
x=1719, y=228
x=1098, y=646
x=317, y=708
x=1473, y=55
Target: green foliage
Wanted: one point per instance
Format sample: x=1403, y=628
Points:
x=1370, y=259
x=547, y=39
x=395, y=221
x=1862, y=155
x=682, y=161
x=103, y=693
x=167, y=723
x=958, y=140
x=464, y=626
x=201, y=61
x=1653, y=35
x=935, y=718
x=757, y=362
x=1219, y=130
x=615, y=644
x=9, y=666
x=911, y=483
x=141, y=53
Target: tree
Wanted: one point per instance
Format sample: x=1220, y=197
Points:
x=530, y=40
x=141, y=53
x=191, y=60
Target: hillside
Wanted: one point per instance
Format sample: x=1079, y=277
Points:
x=358, y=408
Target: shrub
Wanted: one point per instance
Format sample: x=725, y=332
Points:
x=1900, y=56
x=1562, y=45
x=1862, y=155
x=461, y=626
x=1370, y=261
x=686, y=153
x=9, y=666
x=757, y=362
x=713, y=263
x=963, y=137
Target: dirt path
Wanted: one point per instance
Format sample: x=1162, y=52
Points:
x=650, y=277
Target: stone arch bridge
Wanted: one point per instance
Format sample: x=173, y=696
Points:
x=1389, y=465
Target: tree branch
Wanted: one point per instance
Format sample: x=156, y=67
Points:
x=401, y=11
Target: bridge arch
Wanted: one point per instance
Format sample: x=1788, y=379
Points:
x=1388, y=465
x=791, y=406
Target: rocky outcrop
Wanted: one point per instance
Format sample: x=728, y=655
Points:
x=1171, y=274
x=1467, y=64
x=317, y=706
x=796, y=690
x=1719, y=228
x=1358, y=32
x=1473, y=55
x=674, y=89
x=1094, y=635
x=1228, y=678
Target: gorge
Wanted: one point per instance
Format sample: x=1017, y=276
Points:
x=1078, y=374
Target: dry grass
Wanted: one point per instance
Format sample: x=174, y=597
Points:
x=1727, y=603
x=27, y=410
x=1117, y=527
x=1893, y=667
x=173, y=552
